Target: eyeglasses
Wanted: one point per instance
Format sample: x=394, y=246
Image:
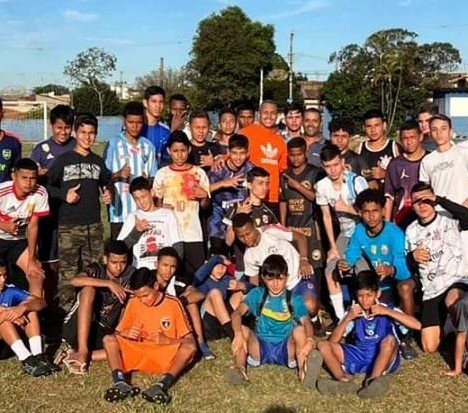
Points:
x=270, y=277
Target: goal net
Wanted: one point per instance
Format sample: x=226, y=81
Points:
x=26, y=120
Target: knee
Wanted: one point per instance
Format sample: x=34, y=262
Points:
x=429, y=347
x=109, y=340
x=406, y=289
x=311, y=304
x=389, y=343
x=214, y=294
x=323, y=346
x=87, y=292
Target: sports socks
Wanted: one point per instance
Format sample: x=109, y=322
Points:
x=35, y=344
x=337, y=303
x=20, y=350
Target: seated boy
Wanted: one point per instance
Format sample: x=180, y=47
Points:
x=97, y=309
x=18, y=313
x=374, y=351
x=154, y=336
x=283, y=332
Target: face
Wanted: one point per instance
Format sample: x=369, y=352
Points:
x=147, y=295
x=154, y=105
x=227, y=124
x=238, y=156
x=441, y=132
x=411, y=140
x=245, y=118
x=143, y=199
x=312, y=124
x=375, y=128
x=293, y=120
x=424, y=210
x=367, y=298
x=218, y=271
x=116, y=264
x=423, y=120
x=166, y=268
x=297, y=157
x=178, y=108
x=260, y=187
x=133, y=125
x=372, y=215
x=199, y=127
x=334, y=168
x=25, y=181
x=61, y=131
x=85, y=137
x=340, y=138
x=3, y=277
x=248, y=235
x=275, y=284
x=267, y=115
x=179, y=153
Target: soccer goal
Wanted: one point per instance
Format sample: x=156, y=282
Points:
x=26, y=120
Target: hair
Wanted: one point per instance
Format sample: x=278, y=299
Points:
x=297, y=143
x=256, y=172
x=86, y=119
x=154, y=90
x=247, y=105
x=62, y=112
x=268, y=102
x=442, y=118
x=410, y=125
x=421, y=186
x=140, y=183
x=178, y=136
x=293, y=107
x=26, y=164
x=133, y=108
x=428, y=107
x=340, y=124
x=199, y=114
x=115, y=247
x=3, y=263
x=142, y=277
x=179, y=97
x=329, y=153
x=168, y=252
x=1, y=104
x=370, y=195
x=225, y=111
x=366, y=280
x=241, y=219
x=373, y=113
x=238, y=141
x=274, y=264
x=314, y=110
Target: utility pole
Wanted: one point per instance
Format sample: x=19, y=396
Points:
x=291, y=37
x=261, y=86
x=121, y=85
x=161, y=71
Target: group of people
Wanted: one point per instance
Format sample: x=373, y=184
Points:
x=252, y=232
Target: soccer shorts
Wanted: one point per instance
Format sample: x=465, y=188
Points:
x=273, y=353
x=307, y=287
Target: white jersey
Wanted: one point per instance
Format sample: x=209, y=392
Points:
x=274, y=239
x=164, y=232
x=443, y=240
x=21, y=209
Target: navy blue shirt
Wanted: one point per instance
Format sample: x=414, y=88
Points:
x=158, y=135
x=10, y=152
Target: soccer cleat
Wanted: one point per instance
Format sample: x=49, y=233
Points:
x=156, y=394
x=330, y=386
x=35, y=368
x=120, y=391
x=407, y=348
x=44, y=360
x=206, y=352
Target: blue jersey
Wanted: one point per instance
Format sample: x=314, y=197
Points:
x=205, y=283
x=12, y=296
x=45, y=152
x=274, y=321
x=10, y=152
x=158, y=135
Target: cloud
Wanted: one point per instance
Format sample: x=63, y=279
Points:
x=76, y=16
x=299, y=7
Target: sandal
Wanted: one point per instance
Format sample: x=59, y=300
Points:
x=63, y=353
x=75, y=366
x=156, y=394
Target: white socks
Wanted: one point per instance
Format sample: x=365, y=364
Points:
x=20, y=350
x=35, y=344
x=337, y=303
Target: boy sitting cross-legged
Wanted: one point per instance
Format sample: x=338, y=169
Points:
x=375, y=348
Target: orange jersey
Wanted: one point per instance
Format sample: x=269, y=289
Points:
x=268, y=150
x=165, y=317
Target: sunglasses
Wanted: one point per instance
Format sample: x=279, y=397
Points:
x=270, y=277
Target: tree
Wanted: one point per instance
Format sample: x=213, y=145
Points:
x=228, y=52
x=85, y=99
x=391, y=71
x=91, y=68
x=56, y=89
x=172, y=80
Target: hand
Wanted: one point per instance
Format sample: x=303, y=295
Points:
x=21, y=322
x=236, y=285
x=125, y=172
x=427, y=196
x=178, y=121
x=355, y=311
x=341, y=206
x=119, y=291
x=106, y=196
x=244, y=207
x=11, y=226
x=142, y=225
x=421, y=255
x=378, y=173
x=384, y=270
x=41, y=171
x=302, y=357
x=219, y=162
x=238, y=344
x=234, y=181
x=379, y=309
x=34, y=269
x=452, y=373
x=292, y=183
x=198, y=192
x=207, y=160
x=343, y=266
x=133, y=333
x=15, y=313
x=305, y=269
x=333, y=254
x=167, y=206
x=72, y=195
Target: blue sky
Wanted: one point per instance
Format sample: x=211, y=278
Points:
x=38, y=37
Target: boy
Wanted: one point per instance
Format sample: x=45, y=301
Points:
x=227, y=186
x=103, y=289
x=245, y=114
x=227, y=127
x=128, y=155
x=149, y=228
x=203, y=152
x=18, y=312
x=153, y=336
x=340, y=135
x=10, y=151
x=77, y=180
x=293, y=114
x=22, y=204
x=182, y=186
x=283, y=332
x=336, y=193
x=374, y=351
x=425, y=113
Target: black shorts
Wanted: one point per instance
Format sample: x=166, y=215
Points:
x=434, y=312
x=5, y=351
x=96, y=333
x=47, y=244
x=194, y=258
x=12, y=250
x=212, y=328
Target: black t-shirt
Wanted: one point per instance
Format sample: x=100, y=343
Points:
x=261, y=215
x=352, y=161
x=198, y=151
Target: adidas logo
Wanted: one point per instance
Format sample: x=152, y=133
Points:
x=269, y=151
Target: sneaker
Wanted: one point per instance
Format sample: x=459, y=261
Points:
x=156, y=394
x=330, y=386
x=374, y=387
x=312, y=369
x=44, y=360
x=34, y=367
x=207, y=354
x=120, y=391
x=407, y=348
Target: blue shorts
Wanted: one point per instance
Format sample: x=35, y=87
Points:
x=306, y=287
x=273, y=353
x=361, y=359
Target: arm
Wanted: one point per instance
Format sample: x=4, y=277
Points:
x=307, y=193
x=205, y=270
x=301, y=242
x=340, y=329
x=32, y=234
x=399, y=316
x=236, y=319
x=328, y=224
x=283, y=210
x=31, y=304
x=459, y=212
x=389, y=202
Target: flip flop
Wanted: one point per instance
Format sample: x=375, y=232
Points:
x=75, y=366
x=62, y=354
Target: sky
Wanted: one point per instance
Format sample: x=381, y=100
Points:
x=37, y=38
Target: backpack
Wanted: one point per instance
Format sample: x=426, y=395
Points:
x=264, y=298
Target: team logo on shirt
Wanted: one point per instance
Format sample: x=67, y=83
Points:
x=316, y=254
x=374, y=249
x=384, y=249
x=165, y=323
x=6, y=153
x=45, y=147
x=270, y=153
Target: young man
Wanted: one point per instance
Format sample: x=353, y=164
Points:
x=377, y=152
x=245, y=114
x=149, y=228
x=22, y=204
x=336, y=193
x=127, y=156
x=293, y=114
x=312, y=123
x=402, y=175
x=182, y=186
x=374, y=350
x=283, y=332
x=78, y=180
x=340, y=135
x=228, y=187
x=154, y=130
x=103, y=290
x=226, y=129
x=425, y=113
x=178, y=111
x=10, y=151
x=153, y=336
x=203, y=153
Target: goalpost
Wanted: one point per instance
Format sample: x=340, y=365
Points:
x=27, y=120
